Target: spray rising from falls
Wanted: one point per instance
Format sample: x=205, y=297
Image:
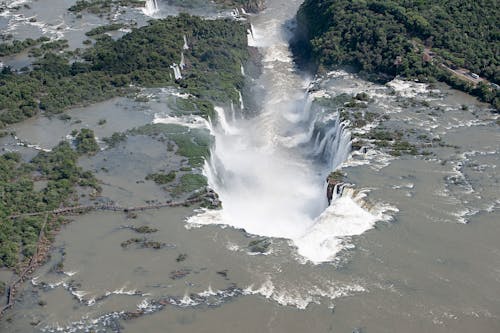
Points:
x=151, y=7
x=270, y=171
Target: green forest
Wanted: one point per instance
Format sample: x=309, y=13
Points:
x=142, y=57
x=390, y=37
x=108, y=68
x=48, y=182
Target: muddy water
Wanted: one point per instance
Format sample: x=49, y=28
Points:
x=426, y=270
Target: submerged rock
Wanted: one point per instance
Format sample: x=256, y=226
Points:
x=259, y=245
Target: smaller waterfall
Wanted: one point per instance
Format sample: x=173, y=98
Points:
x=242, y=70
x=242, y=106
x=185, y=46
x=334, y=145
x=182, y=64
x=222, y=122
x=151, y=7
x=233, y=111
x=251, y=36
x=177, y=71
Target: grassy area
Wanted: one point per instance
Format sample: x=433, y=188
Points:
x=190, y=183
x=192, y=143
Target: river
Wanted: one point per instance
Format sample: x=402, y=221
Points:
x=410, y=246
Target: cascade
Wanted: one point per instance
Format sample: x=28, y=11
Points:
x=177, y=71
x=185, y=46
x=151, y=7
x=251, y=36
x=242, y=106
x=182, y=64
x=270, y=170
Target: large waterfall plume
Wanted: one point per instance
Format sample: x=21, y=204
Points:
x=151, y=7
x=270, y=171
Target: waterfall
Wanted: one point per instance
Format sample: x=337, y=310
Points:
x=222, y=122
x=151, y=7
x=251, y=36
x=177, y=71
x=242, y=106
x=242, y=70
x=269, y=170
x=185, y=46
x=334, y=145
x=233, y=112
x=182, y=64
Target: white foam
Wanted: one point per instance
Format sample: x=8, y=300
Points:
x=267, y=185
x=408, y=89
x=301, y=298
x=188, y=121
x=151, y=8
x=334, y=228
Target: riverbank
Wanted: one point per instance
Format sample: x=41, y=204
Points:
x=389, y=40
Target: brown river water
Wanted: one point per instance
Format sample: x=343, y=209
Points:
x=419, y=254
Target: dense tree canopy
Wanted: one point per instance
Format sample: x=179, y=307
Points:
x=390, y=37
x=143, y=57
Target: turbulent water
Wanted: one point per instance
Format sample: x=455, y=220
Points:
x=411, y=245
x=270, y=171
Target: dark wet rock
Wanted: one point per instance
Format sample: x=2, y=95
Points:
x=179, y=274
x=144, y=229
x=131, y=215
x=210, y=199
x=181, y=257
x=145, y=243
x=153, y=245
x=132, y=314
x=254, y=6
x=58, y=267
x=334, y=179
x=223, y=273
x=131, y=241
x=259, y=245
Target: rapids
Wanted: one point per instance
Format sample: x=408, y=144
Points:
x=270, y=171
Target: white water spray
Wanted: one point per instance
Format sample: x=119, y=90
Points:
x=151, y=8
x=177, y=71
x=182, y=64
x=270, y=171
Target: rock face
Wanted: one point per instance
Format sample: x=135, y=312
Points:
x=254, y=6
x=333, y=179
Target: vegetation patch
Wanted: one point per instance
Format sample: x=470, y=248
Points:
x=115, y=139
x=18, y=46
x=103, y=6
x=426, y=40
x=192, y=143
x=85, y=142
x=19, y=236
x=259, y=245
x=190, y=183
x=161, y=178
x=217, y=48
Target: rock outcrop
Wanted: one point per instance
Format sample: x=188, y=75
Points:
x=254, y=6
x=333, y=180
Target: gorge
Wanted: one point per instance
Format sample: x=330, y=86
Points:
x=290, y=192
